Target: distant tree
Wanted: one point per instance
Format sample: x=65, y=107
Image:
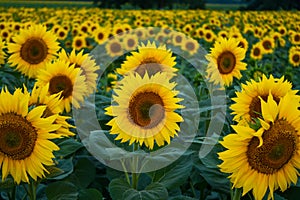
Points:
x=273, y=5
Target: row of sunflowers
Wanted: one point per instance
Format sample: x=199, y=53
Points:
x=149, y=104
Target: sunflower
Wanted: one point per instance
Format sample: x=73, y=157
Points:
x=267, y=158
x=40, y=96
x=33, y=48
x=294, y=56
x=248, y=100
x=86, y=64
x=150, y=59
x=62, y=33
x=295, y=38
x=225, y=61
x=144, y=110
x=190, y=45
x=256, y=51
x=25, y=147
x=65, y=79
x=114, y=48
x=2, y=53
x=130, y=42
x=268, y=44
x=178, y=38
x=100, y=35
x=79, y=42
x=209, y=35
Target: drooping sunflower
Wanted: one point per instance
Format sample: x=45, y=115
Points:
x=25, y=146
x=225, y=61
x=267, y=158
x=248, y=100
x=86, y=64
x=144, y=110
x=40, y=96
x=32, y=49
x=65, y=78
x=150, y=59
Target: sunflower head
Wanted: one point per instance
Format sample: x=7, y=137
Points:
x=143, y=110
x=25, y=146
x=225, y=61
x=266, y=158
x=150, y=59
x=32, y=49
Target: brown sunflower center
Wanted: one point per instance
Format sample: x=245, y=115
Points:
x=267, y=45
x=296, y=58
x=100, y=36
x=226, y=62
x=256, y=52
x=190, y=46
x=34, y=51
x=115, y=47
x=297, y=38
x=150, y=64
x=61, y=83
x=17, y=136
x=178, y=38
x=146, y=109
x=130, y=42
x=279, y=145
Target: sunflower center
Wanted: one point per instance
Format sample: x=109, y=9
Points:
x=17, y=136
x=297, y=38
x=279, y=145
x=296, y=58
x=34, y=51
x=190, y=46
x=255, y=106
x=146, y=109
x=178, y=39
x=131, y=43
x=256, y=52
x=115, y=47
x=151, y=65
x=267, y=45
x=226, y=62
x=61, y=83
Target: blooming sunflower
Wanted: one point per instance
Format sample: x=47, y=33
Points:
x=268, y=158
x=248, y=100
x=79, y=42
x=257, y=51
x=225, y=61
x=40, y=96
x=2, y=53
x=268, y=44
x=65, y=78
x=114, y=48
x=32, y=48
x=86, y=64
x=144, y=110
x=24, y=137
x=294, y=56
x=150, y=59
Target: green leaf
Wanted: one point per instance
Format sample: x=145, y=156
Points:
x=174, y=175
x=117, y=187
x=84, y=173
x=181, y=197
x=151, y=192
x=90, y=193
x=61, y=190
x=7, y=184
x=67, y=147
x=65, y=168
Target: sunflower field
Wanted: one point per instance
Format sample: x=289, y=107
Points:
x=149, y=104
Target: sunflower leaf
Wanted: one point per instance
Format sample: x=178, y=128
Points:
x=61, y=190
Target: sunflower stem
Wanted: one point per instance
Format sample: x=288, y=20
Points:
x=126, y=173
x=237, y=194
x=32, y=190
x=135, y=176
